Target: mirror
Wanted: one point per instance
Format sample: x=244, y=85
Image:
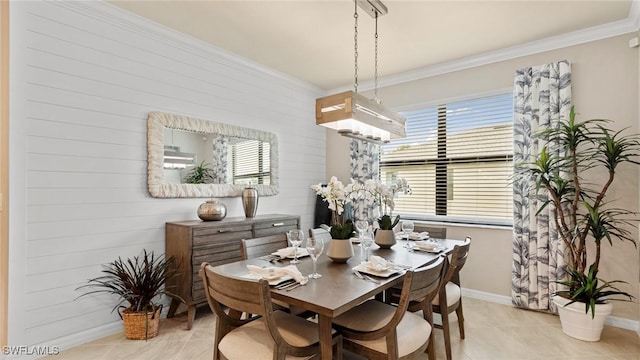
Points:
x=191, y=157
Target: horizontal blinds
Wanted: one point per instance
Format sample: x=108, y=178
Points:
x=457, y=158
x=250, y=162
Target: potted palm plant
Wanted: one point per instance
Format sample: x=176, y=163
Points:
x=199, y=174
x=137, y=282
x=582, y=215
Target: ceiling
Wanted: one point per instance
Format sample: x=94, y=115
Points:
x=312, y=40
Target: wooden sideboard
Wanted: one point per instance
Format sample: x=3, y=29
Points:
x=217, y=242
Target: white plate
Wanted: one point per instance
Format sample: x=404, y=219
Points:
x=363, y=268
x=273, y=280
x=434, y=250
x=301, y=253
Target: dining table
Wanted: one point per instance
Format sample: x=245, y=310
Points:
x=339, y=289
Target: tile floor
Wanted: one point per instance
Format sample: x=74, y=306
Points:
x=493, y=332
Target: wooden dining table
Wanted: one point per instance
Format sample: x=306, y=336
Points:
x=339, y=289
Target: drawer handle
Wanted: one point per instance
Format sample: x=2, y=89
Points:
x=277, y=224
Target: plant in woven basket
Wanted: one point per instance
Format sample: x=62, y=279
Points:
x=137, y=281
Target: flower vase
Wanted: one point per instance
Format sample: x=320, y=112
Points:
x=340, y=250
x=385, y=238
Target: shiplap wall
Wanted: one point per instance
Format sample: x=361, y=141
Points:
x=84, y=77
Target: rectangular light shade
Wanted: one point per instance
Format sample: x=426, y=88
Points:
x=353, y=115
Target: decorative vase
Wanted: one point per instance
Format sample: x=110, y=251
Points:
x=212, y=210
x=250, y=201
x=578, y=324
x=339, y=250
x=385, y=238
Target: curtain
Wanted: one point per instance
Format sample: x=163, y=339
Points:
x=365, y=165
x=219, y=165
x=542, y=95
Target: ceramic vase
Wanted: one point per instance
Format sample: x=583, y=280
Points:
x=212, y=210
x=339, y=250
x=250, y=202
x=385, y=238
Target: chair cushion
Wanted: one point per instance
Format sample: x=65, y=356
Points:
x=453, y=294
x=253, y=339
x=413, y=331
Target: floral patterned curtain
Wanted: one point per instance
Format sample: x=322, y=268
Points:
x=365, y=165
x=542, y=95
x=220, y=149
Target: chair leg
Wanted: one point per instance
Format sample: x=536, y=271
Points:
x=431, y=349
x=445, y=333
x=460, y=319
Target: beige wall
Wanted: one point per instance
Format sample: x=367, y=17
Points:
x=604, y=84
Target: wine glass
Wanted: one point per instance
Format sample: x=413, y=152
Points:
x=407, y=228
x=314, y=246
x=366, y=242
x=361, y=227
x=295, y=238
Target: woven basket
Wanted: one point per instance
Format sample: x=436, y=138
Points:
x=136, y=327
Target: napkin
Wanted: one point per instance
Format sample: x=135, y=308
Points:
x=273, y=272
x=288, y=252
x=379, y=264
x=427, y=245
x=419, y=236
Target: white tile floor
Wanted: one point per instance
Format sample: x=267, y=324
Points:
x=493, y=332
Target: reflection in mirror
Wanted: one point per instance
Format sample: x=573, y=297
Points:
x=191, y=157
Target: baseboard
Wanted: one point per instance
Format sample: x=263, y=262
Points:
x=81, y=338
x=614, y=321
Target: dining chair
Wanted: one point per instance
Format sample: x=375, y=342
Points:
x=434, y=232
x=378, y=330
x=267, y=335
x=266, y=245
x=320, y=233
x=449, y=298
x=256, y=247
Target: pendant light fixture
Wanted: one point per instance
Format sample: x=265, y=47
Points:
x=353, y=115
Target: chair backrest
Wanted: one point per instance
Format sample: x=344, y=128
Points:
x=457, y=259
x=420, y=284
x=434, y=232
x=320, y=233
x=256, y=247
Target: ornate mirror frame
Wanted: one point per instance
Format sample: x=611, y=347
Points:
x=158, y=121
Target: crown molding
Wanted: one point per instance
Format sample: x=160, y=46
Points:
x=114, y=15
x=628, y=25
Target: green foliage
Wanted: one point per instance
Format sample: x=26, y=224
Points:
x=342, y=231
x=136, y=281
x=385, y=222
x=201, y=174
x=588, y=289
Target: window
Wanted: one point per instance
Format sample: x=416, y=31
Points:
x=250, y=162
x=458, y=160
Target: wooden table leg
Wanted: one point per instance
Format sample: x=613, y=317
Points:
x=324, y=329
x=191, y=316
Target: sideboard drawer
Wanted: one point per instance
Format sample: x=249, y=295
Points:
x=266, y=228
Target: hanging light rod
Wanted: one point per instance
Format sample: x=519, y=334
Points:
x=353, y=115
x=372, y=7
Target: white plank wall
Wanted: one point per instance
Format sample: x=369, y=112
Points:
x=84, y=76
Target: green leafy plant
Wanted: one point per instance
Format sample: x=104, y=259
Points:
x=200, y=174
x=342, y=231
x=590, y=290
x=136, y=281
x=579, y=210
x=386, y=223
